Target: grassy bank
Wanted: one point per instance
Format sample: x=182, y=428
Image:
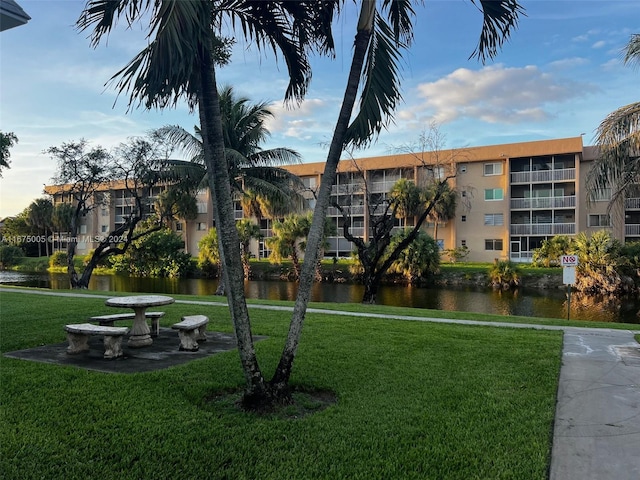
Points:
x=415, y=400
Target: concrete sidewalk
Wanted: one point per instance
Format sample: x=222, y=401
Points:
x=597, y=423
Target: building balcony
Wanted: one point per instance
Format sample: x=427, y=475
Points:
x=347, y=188
x=632, y=230
x=543, y=229
x=349, y=210
x=382, y=186
x=545, y=176
x=632, y=204
x=568, y=201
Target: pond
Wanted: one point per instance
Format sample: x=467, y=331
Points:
x=525, y=302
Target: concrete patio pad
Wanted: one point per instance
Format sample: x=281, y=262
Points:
x=163, y=353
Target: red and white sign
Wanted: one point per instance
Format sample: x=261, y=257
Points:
x=569, y=260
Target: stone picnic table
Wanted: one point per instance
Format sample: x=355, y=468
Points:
x=140, y=332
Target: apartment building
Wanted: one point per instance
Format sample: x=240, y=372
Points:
x=511, y=197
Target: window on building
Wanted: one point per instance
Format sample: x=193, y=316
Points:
x=83, y=229
x=492, y=169
x=463, y=243
x=309, y=182
x=201, y=226
x=463, y=218
x=599, y=221
x=104, y=228
x=493, y=244
x=493, y=194
x=178, y=227
x=494, y=219
x=202, y=207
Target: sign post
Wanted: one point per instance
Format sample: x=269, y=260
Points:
x=569, y=264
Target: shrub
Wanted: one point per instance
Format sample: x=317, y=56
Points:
x=504, y=274
x=10, y=255
x=58, y=259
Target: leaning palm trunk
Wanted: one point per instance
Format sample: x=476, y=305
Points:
x=219, y=184
x=316, y=233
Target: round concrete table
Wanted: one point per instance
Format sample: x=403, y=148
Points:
x=140, y=332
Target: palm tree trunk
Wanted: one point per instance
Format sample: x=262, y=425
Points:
x=229, y=244
x=282, y=374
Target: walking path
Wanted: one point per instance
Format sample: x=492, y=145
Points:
x=597, y=423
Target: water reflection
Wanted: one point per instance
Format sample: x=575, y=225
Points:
x=531, y=303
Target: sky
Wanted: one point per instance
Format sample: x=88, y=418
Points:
x=558, y=76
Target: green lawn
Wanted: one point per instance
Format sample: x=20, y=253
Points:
x=415, y=400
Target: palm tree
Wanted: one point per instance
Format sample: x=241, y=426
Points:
x=254, y=172
x=40, y=217
x=287, y=234
x=61, y=219
x=375, y=58
x=179, y=62
x=247, y=230
x=445, y=208
x=618, y=138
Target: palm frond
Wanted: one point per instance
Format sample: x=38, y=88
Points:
x=381, y=91
x=618, y=165
x=164, y=72
x=500, y=19
x=188, y=143
x=632, y=50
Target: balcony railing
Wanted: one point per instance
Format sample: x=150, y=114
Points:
x=544, y=176
x=568, y=201
x=632, y=230
x=347, y=188
x=543, y=229
x=382, y=186
x=632, y=204
x=349, y=210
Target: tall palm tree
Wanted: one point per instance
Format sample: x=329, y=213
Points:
x=377, y=49
x=40, y=216
x=179, y=62
x=618, y=138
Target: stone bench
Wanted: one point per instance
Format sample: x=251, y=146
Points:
x=78, y=337
x=191, y=330
x=107, y=320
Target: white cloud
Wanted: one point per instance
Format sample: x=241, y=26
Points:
x=567, y=63
x=599, y=44
x=494, y=94
x=296, y=122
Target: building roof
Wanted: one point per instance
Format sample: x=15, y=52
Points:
x=11, y=15
x=459, y=155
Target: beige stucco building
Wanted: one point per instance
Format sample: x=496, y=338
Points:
x=511, y=197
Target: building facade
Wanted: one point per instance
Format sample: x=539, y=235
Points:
x=511, y=197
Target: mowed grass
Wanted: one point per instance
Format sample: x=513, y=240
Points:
x=414, y=400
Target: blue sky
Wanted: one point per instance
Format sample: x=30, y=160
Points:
x=558, y=76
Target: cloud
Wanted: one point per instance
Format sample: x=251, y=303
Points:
x=297, y=122
x=494, y=94
x=567, y=63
